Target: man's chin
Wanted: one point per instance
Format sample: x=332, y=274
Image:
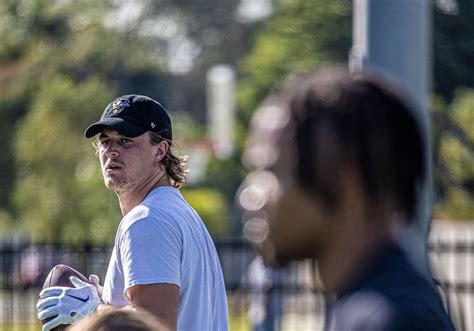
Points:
x=282, y=255
x=114, y=185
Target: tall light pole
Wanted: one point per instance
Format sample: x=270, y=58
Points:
x=394, y=36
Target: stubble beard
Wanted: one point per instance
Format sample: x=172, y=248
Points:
x=119, y=184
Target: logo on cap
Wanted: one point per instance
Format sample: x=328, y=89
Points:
x=120, y=105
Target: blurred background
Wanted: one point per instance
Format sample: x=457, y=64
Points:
x=210, y=63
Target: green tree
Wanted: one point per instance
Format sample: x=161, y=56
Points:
x=62, y=65
x=455, y=157
x=59, y=193
x=300, y=35
x=303, y=34
x=212, y=206
x=453, y=121
x=61, y=62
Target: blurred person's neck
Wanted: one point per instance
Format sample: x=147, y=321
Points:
x=359, y=228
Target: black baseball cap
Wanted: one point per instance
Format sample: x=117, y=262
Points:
x=132, y=115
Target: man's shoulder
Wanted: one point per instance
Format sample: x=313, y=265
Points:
x=372, y=309
x=164, y=209
x=392, y=296
x=162, y=206
x=136, y=214
x=363, y=309
x=165, y=198
x=153, y=211
x=392, y=275
x=149, y=215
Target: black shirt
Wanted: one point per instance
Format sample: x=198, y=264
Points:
x=390, y=295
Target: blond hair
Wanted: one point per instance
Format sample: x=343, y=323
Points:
x=175, y=165
x=118, y=320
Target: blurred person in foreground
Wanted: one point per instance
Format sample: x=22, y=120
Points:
x=339, y=161
x=118, y=320
x=164, y=260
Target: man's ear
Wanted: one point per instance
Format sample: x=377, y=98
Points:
x=162, y=150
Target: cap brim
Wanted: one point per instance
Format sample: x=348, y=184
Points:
x=122, y=126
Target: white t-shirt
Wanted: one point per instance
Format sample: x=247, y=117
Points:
x=163, y=240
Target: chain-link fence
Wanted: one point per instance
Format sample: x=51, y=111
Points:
x=279, y=300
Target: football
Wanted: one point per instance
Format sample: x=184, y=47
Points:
x=59, y=276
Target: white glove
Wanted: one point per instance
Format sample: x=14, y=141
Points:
x=66, y=303
x=94, y=280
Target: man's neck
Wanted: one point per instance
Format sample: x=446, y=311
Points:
x=131, y=198
x=347, y=257
x=357, y=232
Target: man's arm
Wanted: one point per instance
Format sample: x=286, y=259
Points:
x=159, y=299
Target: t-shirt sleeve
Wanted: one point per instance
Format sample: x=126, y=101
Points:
x=150, y=251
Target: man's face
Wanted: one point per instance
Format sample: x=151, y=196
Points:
x=284, y=221
x=126, y=163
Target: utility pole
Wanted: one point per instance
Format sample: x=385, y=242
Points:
x=395, y=37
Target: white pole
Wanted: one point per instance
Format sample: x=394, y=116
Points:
x=221, y=109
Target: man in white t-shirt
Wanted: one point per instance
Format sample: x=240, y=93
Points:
x=164, y=259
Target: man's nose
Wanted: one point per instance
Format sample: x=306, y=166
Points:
x=112, y=150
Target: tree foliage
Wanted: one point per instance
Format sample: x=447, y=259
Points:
x=211, y=206
x=300, y=35
x=304, y=34
x=61, y=63
x=453, y=118
x=59, y=193
x=455, y=171
x=61, y=66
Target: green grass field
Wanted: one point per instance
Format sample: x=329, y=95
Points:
x=238, y=320
x=19, y=326
x=239, y=323
x=235, y=324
